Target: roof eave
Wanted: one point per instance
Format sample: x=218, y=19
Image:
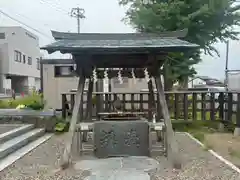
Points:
x=66, y=35
x=52, y=49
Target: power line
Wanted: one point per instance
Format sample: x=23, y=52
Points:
x=26, y=17
x=20, y=22
x=55, y=7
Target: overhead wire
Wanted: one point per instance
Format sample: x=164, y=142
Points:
x=26, y=17
x=24, y=24
x=55, y=7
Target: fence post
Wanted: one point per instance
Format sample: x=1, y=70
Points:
x=212, y=106
x=229, y=107
x=237, y=128
x=194, y=106
x=222, y=111
x=203, y=110
x=64, y=109
x=176, y=106
x=221, y=106
x=185, y=106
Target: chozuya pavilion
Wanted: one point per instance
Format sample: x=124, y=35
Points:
x=134, y=55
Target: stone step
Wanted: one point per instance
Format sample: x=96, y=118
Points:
x=15, y=132
x=25, y=112
x=12, y=145
x=11, y=158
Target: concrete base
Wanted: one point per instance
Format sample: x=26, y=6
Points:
x=119, y=175
x=221, y=127
x=237, y=131
x=121, y=168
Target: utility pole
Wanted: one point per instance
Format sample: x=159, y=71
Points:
x=79, y=14
x=226, y=65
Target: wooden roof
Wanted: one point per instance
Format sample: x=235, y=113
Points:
x=118, y=50
x=118, y=42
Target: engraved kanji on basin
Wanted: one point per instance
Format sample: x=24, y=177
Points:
x=132, y=138
x=114, y=138
x=108, y=138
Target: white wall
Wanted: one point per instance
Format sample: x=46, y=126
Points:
x=234, y=81
x=37, y=83
x=4, y=57
x=7, y=83
x=31, y=82
x=53, y=87
x=25, y=42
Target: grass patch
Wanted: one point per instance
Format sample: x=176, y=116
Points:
x=234, y=153
x=197, y=129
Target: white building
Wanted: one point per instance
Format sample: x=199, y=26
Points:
x=20, y=60
x=205, y=82
x=234, y=81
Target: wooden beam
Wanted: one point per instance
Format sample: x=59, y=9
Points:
x=66, y=158
x=107, y=60
x=171, y=145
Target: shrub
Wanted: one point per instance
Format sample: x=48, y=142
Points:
x=4, y=104
x=33, y=101
x=61, y=126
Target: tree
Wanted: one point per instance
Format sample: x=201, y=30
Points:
x=207, y=21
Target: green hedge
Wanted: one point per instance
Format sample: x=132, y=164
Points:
x=33, y=101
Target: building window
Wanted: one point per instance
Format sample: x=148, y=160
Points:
x=29, y=61
x=17, y=56
x=24, y=59
x=64, y=71
x=38, y=64
x=2, y=36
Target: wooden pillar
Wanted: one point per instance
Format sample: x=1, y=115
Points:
x=159, y=114
x=66, y=158
x=88, y=113
x=171, y=144
x=151, y=101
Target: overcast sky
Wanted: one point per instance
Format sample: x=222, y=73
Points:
x=101, y=16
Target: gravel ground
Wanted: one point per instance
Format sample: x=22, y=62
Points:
x=43, y=164
x=7, y=127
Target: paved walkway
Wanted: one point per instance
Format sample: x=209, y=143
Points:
x=43, y=164
x=125, y=168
